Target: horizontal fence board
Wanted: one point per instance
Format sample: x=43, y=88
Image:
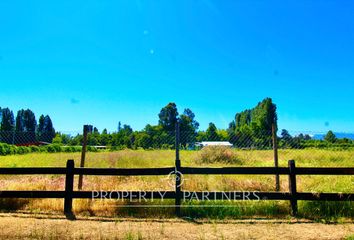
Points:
x=235, y=195
x=124, y=171
x=124, y=194
x=325, y=196
x=184, y=170
x=236, y=170
x=185, y=195
x=32, y=171
x=32, y=194
x=324, y=171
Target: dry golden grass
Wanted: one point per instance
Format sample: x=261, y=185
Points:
x=165, y=158
x=55, y=227
x=218, y=154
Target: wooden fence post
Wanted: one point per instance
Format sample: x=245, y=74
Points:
x=275, y=149
x=69, y=188
x=292, y=187
x=178, y=173
x=86, y=130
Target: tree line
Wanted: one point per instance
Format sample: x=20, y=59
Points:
x=24, y=128
x=250, y=129
x=161, y=135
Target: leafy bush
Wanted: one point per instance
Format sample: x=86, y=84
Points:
x=218, y=154
x=53, y=148
x=91, y=149
x=71, y=149
x=35, y=149
x=6, y=149
x=3, y=150
x=166, y=146
x=23, y=150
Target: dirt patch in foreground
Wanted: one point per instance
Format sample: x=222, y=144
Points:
x=21, y=226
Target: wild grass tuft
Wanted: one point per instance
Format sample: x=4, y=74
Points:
x=326, y=211
x=218, y=154
x=235, y=209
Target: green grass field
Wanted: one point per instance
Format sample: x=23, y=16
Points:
x=165, y=158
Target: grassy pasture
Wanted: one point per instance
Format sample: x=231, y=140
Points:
x=165, y=158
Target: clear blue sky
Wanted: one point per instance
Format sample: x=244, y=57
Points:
x=101, y=62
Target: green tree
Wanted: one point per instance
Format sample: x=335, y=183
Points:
x=7, y=125
x=330, y=137
x=124, y=138
x=168, y=117
x=222, y=134
x=307, y=137
x=127, y=130
x=7, y=120
x=231, y=132
x=105, y=138
x=119, y=126
x=285, y=135
x=77, y=140
x=57, y=139
x=25, y=126
x=243, y=118
x=201, y=136
x=45, y=130
x=188, y=127
x=143, y=140
x=65, y=138
x=26, y=121
x=253, y=127
x=264, y=115
x=211, y=133
x=289, y=141
x=94, y=138
x=244, y=137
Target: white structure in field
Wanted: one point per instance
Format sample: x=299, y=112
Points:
x=213, y=143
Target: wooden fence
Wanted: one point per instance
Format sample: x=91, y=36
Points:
x=68, y=194
x=70, y=171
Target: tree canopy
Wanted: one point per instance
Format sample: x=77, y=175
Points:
x=24, y=129
x=251, y=128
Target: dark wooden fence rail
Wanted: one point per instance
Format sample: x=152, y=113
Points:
x=68, y=194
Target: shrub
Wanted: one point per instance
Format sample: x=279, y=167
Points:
x=3, y=150
x=166, y=146
x=53, y=148
x=217, y=154
x=91, y=149
x=23, y=150
x=34, y=149
x=117, y=148
x=6, y=149
x=43, y=149
x=71, y=149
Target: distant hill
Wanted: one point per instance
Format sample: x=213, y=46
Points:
x=338, y=135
